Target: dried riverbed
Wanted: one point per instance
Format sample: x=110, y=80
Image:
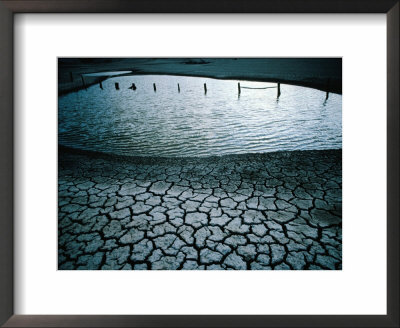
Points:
x=253, y=211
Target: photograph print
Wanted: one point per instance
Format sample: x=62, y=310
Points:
x=199, y=163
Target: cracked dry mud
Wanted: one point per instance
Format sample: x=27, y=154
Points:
x=275, y=211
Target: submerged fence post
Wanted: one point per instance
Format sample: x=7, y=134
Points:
x=238, y=88
x=179, y=89
x=327, y=89
x=205, y=88
x=279, y=90
x=83, y=82
x=101, y=85
x=154, y=87
x=116, y=86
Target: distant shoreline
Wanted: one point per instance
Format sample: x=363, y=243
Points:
x=97, y=79
x=285, y=71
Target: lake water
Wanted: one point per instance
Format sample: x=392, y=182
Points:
x=112, y=73
x=191, y=123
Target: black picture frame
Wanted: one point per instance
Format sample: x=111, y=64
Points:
x=10, y=7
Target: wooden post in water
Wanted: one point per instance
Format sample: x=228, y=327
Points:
x=154, y=87
x=179, y=89
x=101, y=85
x=327, y=89
x=205, y=88
x=116, y=86
x=279, y=90
x=83, y=82
x=238, y=88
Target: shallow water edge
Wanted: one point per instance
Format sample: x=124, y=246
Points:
x=63, y=151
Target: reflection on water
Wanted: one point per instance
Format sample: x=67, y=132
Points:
x=169, y=123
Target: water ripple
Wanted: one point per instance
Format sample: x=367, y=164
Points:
x=190, y=123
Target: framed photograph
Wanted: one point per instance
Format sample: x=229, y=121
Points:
x=203, y=165
x=245, y=187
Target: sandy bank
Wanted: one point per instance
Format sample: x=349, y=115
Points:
x=66, y=153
